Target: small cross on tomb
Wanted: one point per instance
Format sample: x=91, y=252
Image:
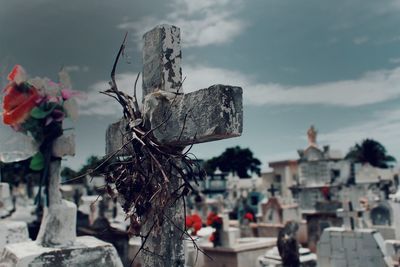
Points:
x=272, y=189
x=349, y=215
x=58, y=227
x=177, y=120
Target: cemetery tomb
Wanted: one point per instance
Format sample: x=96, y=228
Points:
x=348, y=248
x=57, y=241
x=273, y=259
x=10, y=231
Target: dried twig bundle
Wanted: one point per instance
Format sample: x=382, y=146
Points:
x=150, y=177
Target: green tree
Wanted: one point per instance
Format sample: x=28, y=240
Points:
x=68, y=174
x=237, y=160
x=372, y=152
x=90, y=166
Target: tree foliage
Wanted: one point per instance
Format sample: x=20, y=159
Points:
x=372, y=152
x=89, y=167
x=237, y=160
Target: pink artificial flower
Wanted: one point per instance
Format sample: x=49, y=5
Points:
x=68, y=93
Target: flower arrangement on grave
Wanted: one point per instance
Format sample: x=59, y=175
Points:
x=215, y=222
x=37, y=108
x=193, y=223
x=249, y=216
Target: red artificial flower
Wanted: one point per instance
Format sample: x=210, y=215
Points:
x=210, y=218
x=189, y=221
x=212, y=238
x=197, y=226
x=18, y=101
x=218, y=220
x=17, y=75
x=194, y=222
x=325, y=191
x=249, y=217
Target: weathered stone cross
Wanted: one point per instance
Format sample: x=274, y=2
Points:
x=272, y=189
x=205, y=115
x=349, y=215
x=58, y=227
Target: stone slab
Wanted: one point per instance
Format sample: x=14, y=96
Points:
x=87, y=251
x=243, y=254
x=12, y=232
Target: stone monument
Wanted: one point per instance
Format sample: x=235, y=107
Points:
x=57, y=244
x=205, y=115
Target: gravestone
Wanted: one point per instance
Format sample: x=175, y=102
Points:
x=229, y=235
x=349, y=215
x=395, y=205
x=6, y=205
x=347, y=248
x=10, y=231
x=56, y=244
x=89, y=206
x=205, y=115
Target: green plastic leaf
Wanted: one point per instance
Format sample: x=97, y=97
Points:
x=39, y=113
x=37, y=162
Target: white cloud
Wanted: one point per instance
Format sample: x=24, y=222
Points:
x=370, y=88
x=209, y=22
x=96, y=103
x=76, y=68
x=360, y=40
x=394, y=60
x=384, y=127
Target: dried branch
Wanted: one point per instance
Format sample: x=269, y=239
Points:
x=153, y=177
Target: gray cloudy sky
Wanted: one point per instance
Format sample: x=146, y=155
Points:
x=334, y=64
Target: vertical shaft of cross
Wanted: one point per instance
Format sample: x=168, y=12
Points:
x=54, y=182
x=162, y=71
x=162, y=60
x=349, y=215
x=58, y=227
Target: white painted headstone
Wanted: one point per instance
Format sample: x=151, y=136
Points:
x=229, y=235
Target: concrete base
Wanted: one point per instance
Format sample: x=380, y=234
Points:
x=58, y=228
x=12, y=232
x=87, y=251
x=229, y=237
x=245, y=253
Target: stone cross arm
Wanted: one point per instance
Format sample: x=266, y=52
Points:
x=349, y=215
x=205, y=115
